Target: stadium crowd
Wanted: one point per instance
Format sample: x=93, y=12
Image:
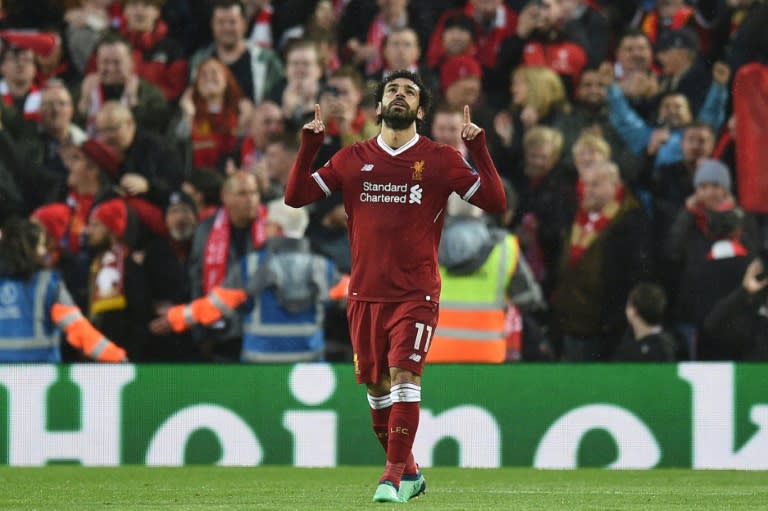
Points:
x=152, y=141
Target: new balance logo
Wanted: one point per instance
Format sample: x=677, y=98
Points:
x=415, y=357
x=416, y=193
x=367, y=167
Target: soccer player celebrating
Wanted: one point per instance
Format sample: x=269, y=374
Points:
x=395, y=189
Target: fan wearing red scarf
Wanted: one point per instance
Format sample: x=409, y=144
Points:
x=220, y=242
x=607, y=252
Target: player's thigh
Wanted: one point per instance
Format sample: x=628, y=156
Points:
x=411, y=328
x=369, y=339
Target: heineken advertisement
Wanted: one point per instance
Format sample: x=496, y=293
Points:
x=549, y=416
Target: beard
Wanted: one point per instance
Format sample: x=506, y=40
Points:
x=182, y=233
x=398, y=119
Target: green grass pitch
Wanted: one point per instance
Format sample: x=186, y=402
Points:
x=351, y=488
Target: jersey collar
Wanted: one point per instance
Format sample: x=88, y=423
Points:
x=399, y=150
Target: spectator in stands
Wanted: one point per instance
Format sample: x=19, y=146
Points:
x=17, y=88
x=149, y=167
x=258, y=15
x=446, y=128
x=646, y=340
x=287, y=288
x=118, y=302
x=204, y=186
x=737, y=323
x=607, y=252
x=272, y=172
x=364, y=26
x=543, y=39
x=537, y=98
x=86, y=23
x=210, y=110
x=663, y=141
x=689, y=241
x=746, y=32
x=457, y=36
x=682, y=71
x=116, y=79
x=635, y=73
x=401, y=50
x=461, y=83
x=657, y=17
x=167, y=276
x=589, y=113
x=220, y=242
x=42, y=304
x=297, y=93
x=45, y=173
x=266, y=121
x=256, y=69
x=159, y=57
x=672, y=184
x=591, y=21
x=56, y=64
x=547, y=192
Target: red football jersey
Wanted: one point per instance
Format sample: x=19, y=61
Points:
x=395, y=202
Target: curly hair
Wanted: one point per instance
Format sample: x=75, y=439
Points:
x=18, y=248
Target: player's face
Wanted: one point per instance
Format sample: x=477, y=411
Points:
x=399, y=107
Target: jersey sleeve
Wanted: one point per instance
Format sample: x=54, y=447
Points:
x=488, y=192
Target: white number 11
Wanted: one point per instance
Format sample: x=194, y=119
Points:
x=420, y=333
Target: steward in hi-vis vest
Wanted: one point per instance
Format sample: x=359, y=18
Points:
x=482, y=273
x=283, y=290
x=35, y=306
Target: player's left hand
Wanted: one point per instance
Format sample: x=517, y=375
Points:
x=469, y=130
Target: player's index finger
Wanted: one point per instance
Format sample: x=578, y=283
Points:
x=317, y=112
x=466, y=114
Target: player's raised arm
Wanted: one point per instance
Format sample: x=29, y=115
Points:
x=490, y=195
x=301, y=189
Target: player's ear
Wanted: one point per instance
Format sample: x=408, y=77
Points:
x=378, y=108
x=420, y=114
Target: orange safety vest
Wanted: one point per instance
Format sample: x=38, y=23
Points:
x=471, y=325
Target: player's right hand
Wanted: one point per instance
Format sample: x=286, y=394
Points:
x=316, y=125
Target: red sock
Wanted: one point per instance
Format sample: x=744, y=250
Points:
x=403, y=423
x=380, y=422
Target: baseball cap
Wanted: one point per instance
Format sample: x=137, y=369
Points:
x=684, y=38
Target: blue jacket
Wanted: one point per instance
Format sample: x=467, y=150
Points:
x=272, y=332
x=636, y=133
x=27, y=332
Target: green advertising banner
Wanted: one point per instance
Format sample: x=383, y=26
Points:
x=699, y=415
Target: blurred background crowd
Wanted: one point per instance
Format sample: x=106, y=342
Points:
x=152, y=139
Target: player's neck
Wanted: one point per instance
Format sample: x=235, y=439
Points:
x=395, y=138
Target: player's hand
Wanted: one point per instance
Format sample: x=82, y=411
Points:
x=469, y=130
x=316, y=125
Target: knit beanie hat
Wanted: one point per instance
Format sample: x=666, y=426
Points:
x=712, y=171
x=54, y=218
x=179, y=197
x=457, y=68
x=102, y=155
x=113, y=214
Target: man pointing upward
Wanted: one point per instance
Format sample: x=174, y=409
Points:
x=395, y=188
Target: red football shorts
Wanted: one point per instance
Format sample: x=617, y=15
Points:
x=390, y=334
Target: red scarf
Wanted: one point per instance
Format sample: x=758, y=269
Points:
x=144, y=41
x=700, y=214
x=216, y=253
x=80, y=205
x=377, y=32
x=587, y=226
x=650, y=22
x=332, y=127
x=725, y=249
x=249, y=154
x=31, y=102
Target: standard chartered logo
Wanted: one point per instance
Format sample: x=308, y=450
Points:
x=416, y=192
x=391, y=193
